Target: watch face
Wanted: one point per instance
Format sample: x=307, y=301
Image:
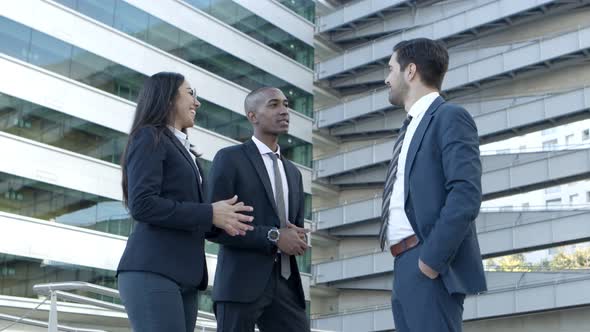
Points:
x=273, y=235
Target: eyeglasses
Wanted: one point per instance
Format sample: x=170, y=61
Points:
x=193, y=93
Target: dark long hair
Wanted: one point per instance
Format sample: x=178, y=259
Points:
x=154, y=109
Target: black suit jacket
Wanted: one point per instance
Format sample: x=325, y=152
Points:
x=245, y=263
x=167, y=203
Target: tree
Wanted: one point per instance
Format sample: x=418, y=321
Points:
x=511, y=263
x=578, y=259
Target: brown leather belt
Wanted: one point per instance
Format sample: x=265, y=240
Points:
x=405, y=245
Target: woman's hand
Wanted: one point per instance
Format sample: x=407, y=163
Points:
x=227, y=217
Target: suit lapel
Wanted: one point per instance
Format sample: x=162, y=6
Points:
x=292, y=184
x=417, y=140
x=187, y=156
x=256, y=159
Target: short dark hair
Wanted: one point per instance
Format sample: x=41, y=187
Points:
x=430, y=57
x=252, y=101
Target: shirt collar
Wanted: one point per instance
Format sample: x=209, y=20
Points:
x=263, y=148
x=182, y=137
x=422, y=104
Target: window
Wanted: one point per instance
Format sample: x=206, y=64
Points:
x=304, y=262
x=44, y=125
x=305, y=8
x=553, y=202
x=57, y=56
x=307, y=214
x=526, y=206
x=569, y=139
x=573, y=198
x=36, y=199
x=588, y=196
x=19, y=274
x=585, y=134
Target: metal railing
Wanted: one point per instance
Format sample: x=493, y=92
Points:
x=62, y=290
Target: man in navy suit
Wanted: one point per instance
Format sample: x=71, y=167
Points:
x=257, y=280
x=432, y=195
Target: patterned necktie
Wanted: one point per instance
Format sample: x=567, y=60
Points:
x=280, y=202
x=390, y=180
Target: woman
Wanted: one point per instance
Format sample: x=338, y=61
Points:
x=164, y=265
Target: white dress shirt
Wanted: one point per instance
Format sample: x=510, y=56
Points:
x=183, y=138
x=398, y=226
x=268, y=163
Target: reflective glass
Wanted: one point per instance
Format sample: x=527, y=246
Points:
x=305, y=8
x=154, y=31
x=83, y=66
x=42, y=124
x=20, y=274
x=258, y=28
x=45, y=201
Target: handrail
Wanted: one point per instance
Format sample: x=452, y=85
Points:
x=45, y=289
x=530, y=208
x=62, y=287
x=60, y=290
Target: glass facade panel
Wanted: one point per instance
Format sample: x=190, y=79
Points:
x=258, y=28
x=50, y=53
x=163, y=35
x=127, y=19
x=307, y=214
x=205, y=301
x=44, y=201
x=110, y=77
x=152, y=30
x=20, y=274
x=41, y=124
x=304, y=262
x=304, y=8
x=211, y=247
x=103, y=10
x=15, y=39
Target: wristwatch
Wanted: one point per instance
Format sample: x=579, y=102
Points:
x=273, y=235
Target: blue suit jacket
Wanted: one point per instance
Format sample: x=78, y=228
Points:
x=245, y=263
x=166, y=201
x=443, y=195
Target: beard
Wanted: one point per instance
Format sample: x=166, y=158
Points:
x=397, y=95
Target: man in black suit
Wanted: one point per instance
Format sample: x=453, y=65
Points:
x=257, y=280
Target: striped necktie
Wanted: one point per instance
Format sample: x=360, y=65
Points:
x=390, y=181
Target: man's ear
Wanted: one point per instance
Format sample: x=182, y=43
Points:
x=251, y=117
x=411, y=71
